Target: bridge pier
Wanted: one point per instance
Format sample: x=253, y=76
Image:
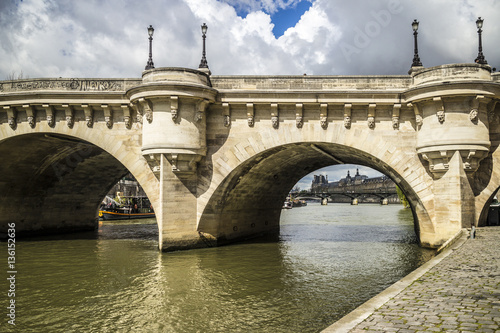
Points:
x=454, y=204
x=177, y=216
x=172, y=102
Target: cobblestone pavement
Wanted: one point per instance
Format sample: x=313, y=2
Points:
x=460, y=294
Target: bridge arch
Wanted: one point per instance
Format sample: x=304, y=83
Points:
x=487, y=180
x=252, y=176
x=54, y=178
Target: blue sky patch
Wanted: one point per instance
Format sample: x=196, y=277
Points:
x=286, y=18
x=282, y=19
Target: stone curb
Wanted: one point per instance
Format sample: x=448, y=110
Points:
x=352, y=319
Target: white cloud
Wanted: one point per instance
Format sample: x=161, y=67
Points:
x=309, y=42
x=108, y=38
x=255, y=24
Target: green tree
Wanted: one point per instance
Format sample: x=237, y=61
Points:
x=402, y=198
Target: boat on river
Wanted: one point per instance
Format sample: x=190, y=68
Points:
x=123, y=214
x=126, y=208
x=298, y=203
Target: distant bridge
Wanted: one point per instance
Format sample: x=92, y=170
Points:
x=354, y=187
x=352, y=192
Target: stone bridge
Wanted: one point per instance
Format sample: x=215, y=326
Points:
x=217, y=155
x=383, y=191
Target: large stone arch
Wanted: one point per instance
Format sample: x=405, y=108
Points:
x=54, y=177
x=252, y=174
x=487, y=179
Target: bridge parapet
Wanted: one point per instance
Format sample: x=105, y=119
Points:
x=74, y=85
x=452, y=72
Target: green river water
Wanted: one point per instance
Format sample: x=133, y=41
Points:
x=329, y=260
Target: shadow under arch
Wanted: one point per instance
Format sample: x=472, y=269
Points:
x=54, y=183
x=248, y=202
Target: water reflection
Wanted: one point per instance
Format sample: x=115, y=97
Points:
x=328, y=260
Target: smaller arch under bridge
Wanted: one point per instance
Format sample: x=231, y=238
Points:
x=217, y=155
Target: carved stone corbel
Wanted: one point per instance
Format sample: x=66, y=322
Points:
x=250, y=114
x=174, y=107
x=439, y=109
x=471, y=159
x=50, y=113
x=372, y=109
x=418, y=116
x=201, y=106
x=183, y=164
x=108, y=115
x=323, y=115
x=146, y=109
x=438, y=161
x=347, y=115
x=226, y=113
x=12, y=116
x=299, y=115
x=396, y=109
x=89, y=115
x=127, y=116
x=138, y=111
x=30, y=114
x=474, y=112
x=492, y=117
x=70, y=115
x=274, y=115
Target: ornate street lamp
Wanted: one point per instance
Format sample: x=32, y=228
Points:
x=416, y=58
x=480, y=57
x=203, y=63
x=150, y=64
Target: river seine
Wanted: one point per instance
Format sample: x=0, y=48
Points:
x=328, y=260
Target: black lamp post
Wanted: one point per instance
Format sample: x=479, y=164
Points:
x=480, y=57
x=150, y=64
x=416, y=58
x=203, y=63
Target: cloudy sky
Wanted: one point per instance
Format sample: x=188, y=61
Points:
x=108, y=38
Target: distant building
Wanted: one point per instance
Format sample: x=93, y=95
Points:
x=321, y=179
x=355, y=184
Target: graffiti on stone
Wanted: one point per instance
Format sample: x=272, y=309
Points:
x=100, y=85
x=71, y=84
